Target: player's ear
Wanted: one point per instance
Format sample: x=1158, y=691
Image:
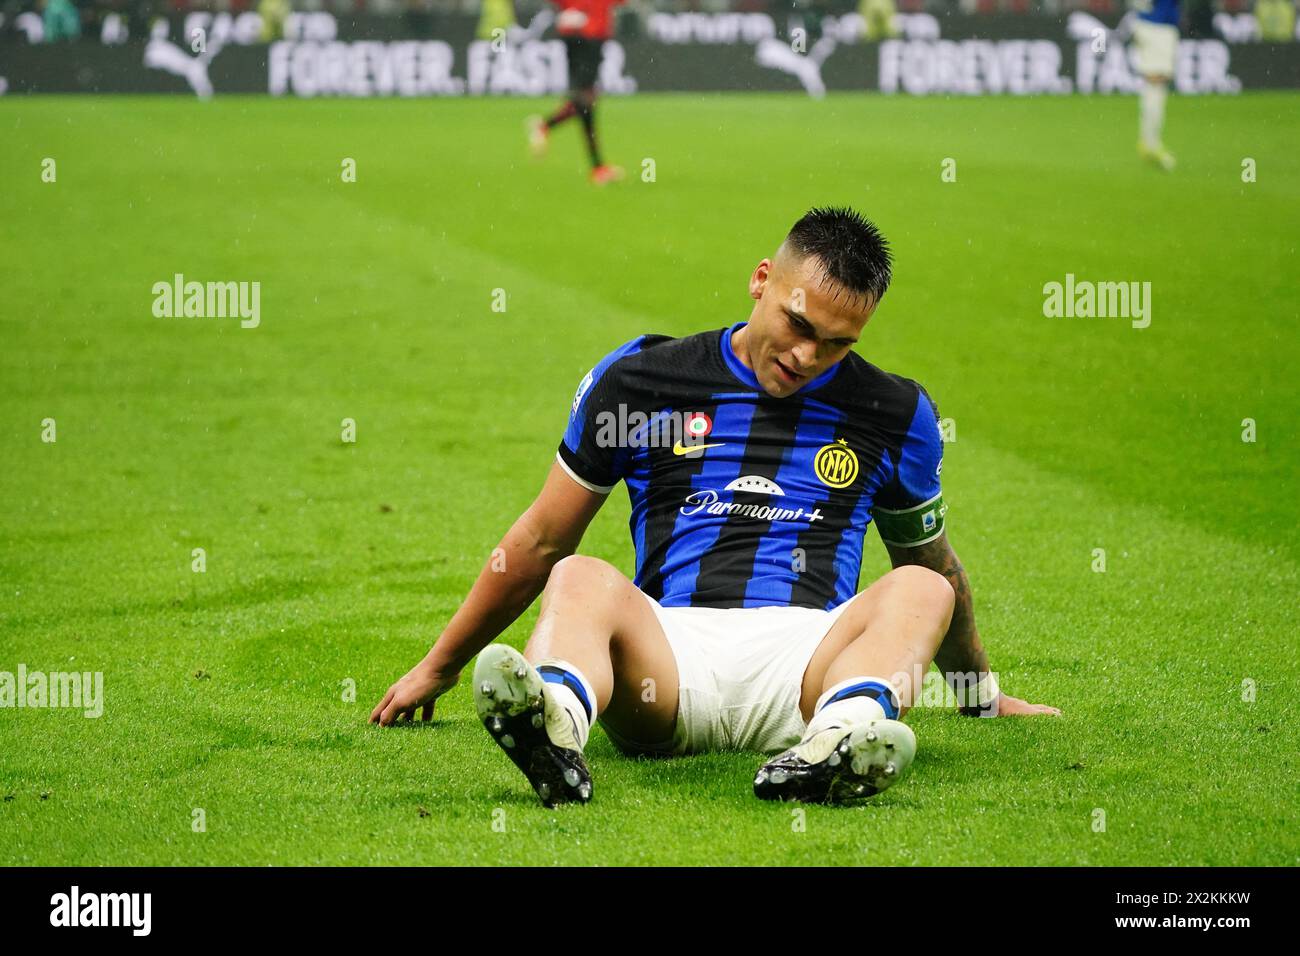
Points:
x=758, y=281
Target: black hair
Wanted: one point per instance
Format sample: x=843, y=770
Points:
x=851, y=250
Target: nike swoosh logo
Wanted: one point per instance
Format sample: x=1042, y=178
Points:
x=680, y=449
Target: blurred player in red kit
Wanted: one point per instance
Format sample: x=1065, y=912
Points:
x=584, y=25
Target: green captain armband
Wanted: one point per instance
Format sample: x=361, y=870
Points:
x=913, y=526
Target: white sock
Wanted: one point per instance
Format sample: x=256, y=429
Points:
x=567, y=698
x=1152, y=112
x=850, y=711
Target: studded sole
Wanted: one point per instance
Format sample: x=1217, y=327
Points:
x=509, y=701
x=866, y=761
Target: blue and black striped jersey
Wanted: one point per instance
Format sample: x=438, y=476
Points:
x=740, y=499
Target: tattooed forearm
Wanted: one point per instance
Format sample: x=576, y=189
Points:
x=961, y=650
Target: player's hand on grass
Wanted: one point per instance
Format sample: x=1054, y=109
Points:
x=418, y=689
x=1015, y=707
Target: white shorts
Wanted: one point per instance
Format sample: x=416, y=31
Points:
x=1157, y=47
x=740, y=675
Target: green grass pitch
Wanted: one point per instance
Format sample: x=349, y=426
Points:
x=330, y=562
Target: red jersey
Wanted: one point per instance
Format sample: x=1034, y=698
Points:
x=598, y=23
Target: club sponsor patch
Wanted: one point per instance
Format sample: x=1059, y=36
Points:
x=582, y=391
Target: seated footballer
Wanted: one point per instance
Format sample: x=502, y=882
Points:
x=743, y=628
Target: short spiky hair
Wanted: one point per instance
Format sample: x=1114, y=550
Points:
x=851, y=250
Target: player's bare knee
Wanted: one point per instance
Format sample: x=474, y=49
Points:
x=580, y=573
x=921, y=586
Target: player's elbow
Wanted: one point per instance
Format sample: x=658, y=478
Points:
x=548, y=541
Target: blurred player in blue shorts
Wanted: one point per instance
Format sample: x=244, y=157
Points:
x=1155, y=37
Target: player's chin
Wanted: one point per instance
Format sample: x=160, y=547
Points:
x=783, y=382
x=779, y=389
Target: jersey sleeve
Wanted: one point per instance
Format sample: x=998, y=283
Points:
x=590, y=450
x=909, y=510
